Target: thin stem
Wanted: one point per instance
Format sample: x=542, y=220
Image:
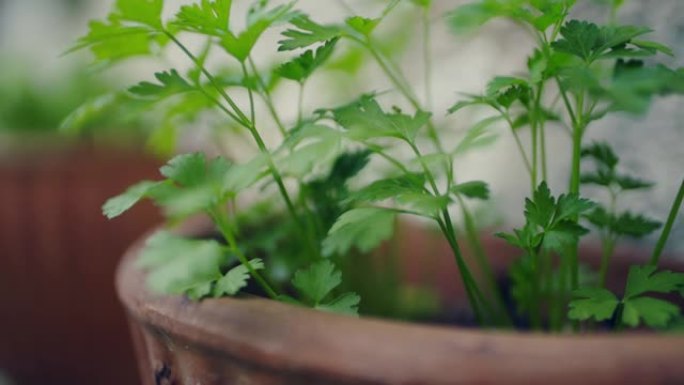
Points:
x=609, y=240
x=266, y=96
x=483, y=262
x=474, y=294
x=466, y=278
x=606, y=253
x=300, y=103
x=544, y=158
x=241, y=117
x=244, y=121
x=518, y=142
x=665, y=234
x=252, y=113
x=223, y=225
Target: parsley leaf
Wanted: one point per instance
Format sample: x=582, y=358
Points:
x=317, y=283
x=119, y=204
x=645, y=279
x=170, y=83
x=473, y=189
x=307, y=33
x=177, y=265
x=236, y=278
x=147, y=12
x=656, y=313
x=550, y=223
x=391, y=188
x=347, y=304
x=597, y=303
x=588, y=41
x=365, y=119
x=362, y=228
x=258, y=21
x=362, y=25
x=300, y=68
x=207, y=17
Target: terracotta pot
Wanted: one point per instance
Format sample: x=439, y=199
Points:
x=258, y=341
x=61, y=322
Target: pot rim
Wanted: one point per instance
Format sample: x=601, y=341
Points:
x=282, y=337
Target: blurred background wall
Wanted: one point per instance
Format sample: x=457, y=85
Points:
x=59, y=315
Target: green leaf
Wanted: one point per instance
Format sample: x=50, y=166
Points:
x=589, y=41
x=316, y=282
x=236, y=278
x=244, y=175
x=471, y=16
x=111, y=41
x=627, y=182
x=635, y=226
x=602, y=153
x=362, y=228
x=365, y=119
x=362, y=25
x=306, y=34
x=597, y=303
x=177, y=265
x=477, y=136
x=571, y=206
x=188, y=170
x=473, y=189
x=424, y=204
x=347, y=304
x=500, y=84
x=207, y=17
x=656, y=313
x=391, y=188
x=302, y=160
x=645, y=279
x=170, y=83
x=259, y=20
x=653, y=46
x=541, y=208
x=146, y=12
x=562, y=236
x=121, y=203
x=300, y=68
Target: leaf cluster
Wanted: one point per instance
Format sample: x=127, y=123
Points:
x=551, y=224
x=635, y=307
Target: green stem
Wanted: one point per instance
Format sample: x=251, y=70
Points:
x=474, y=294
x=266, y=96
x=300, y=103
x=399, y=81
x=544, y=158
x=518, y=142
x=609, y=240
x=240, y=116
x=606, y=254
x=252, y=113
x=223, y=225
x=244, y=121
x=466, y=276
x=483, y=262
x=665, y=234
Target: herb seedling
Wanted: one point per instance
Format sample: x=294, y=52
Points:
x=593, y=70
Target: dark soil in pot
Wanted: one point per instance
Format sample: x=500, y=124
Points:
x=258, y=341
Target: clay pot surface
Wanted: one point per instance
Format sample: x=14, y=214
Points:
x=60, y=321
x=258, y=341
